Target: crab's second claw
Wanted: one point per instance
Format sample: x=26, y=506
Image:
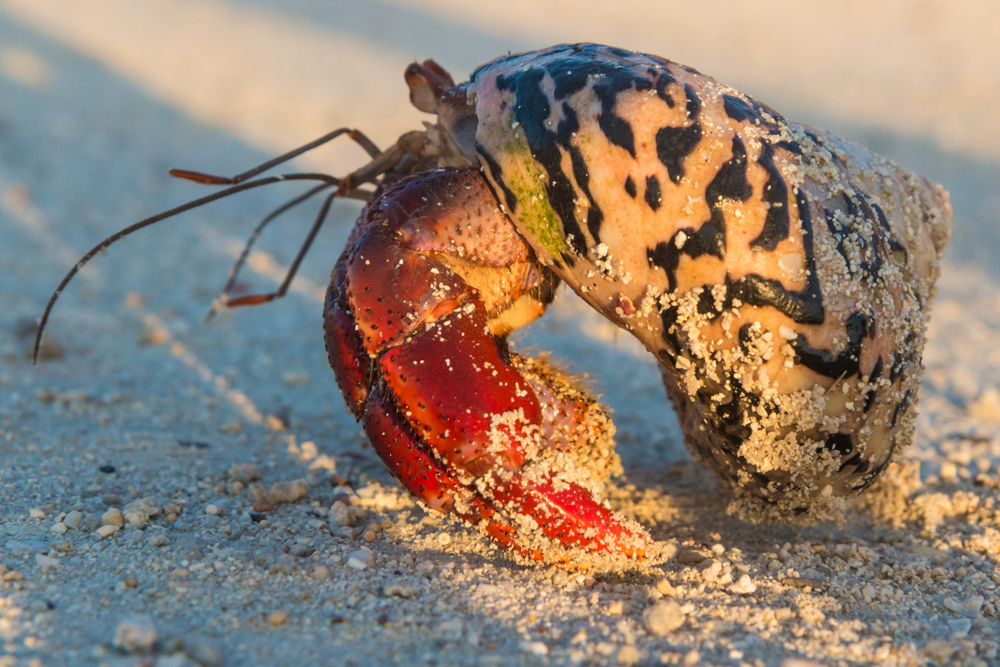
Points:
x=445, y=405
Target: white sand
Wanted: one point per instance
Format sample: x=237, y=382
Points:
x=99, y=98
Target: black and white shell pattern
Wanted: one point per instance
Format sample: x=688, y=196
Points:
x=780, y=274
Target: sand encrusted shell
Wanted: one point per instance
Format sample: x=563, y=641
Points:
x=782, y=275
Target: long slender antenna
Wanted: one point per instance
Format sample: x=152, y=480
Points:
x=208, y=179
x=103, y=245
x=407, y=146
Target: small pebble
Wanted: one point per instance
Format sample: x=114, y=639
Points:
x=341, y=514
x=693, y=556
x=138, y=512
x=135, y=517
x=629, y=655
x=58, y=528
x=665, y=588
x=275, y=423
x=744, y=586
x=536, y=648
x=370, y=536
x=289, y=492
x=244, y=473
x=130, y=582
x=397, y=590
x=692, y=657
x=802, y=582
x=360, y=560
x=277, y=618
x=663, y=618
x=135, y=634
x=960, y=626
x=214, y=510
x=113, y=517
x=319, y=572
x=36, y=513
x=72, y=520
x=158, y=540
x=107, y=531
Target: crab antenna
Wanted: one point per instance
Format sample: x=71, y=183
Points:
x=208, y=179
x=234, y=272
x=103, y=245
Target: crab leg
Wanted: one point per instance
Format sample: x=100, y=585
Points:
x=408, y=326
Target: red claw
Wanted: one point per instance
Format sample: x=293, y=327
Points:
x=427, y=480
x=457, y=418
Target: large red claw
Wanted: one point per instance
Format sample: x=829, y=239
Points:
x=505, y=444
x=463, y=399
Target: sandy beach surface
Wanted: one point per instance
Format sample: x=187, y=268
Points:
x=174, y=493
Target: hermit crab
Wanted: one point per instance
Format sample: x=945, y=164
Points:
x=779, y=274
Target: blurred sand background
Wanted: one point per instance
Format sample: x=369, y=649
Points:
x=98, y=98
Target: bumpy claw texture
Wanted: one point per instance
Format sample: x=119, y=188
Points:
x=781, y=275
x=506, y=444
